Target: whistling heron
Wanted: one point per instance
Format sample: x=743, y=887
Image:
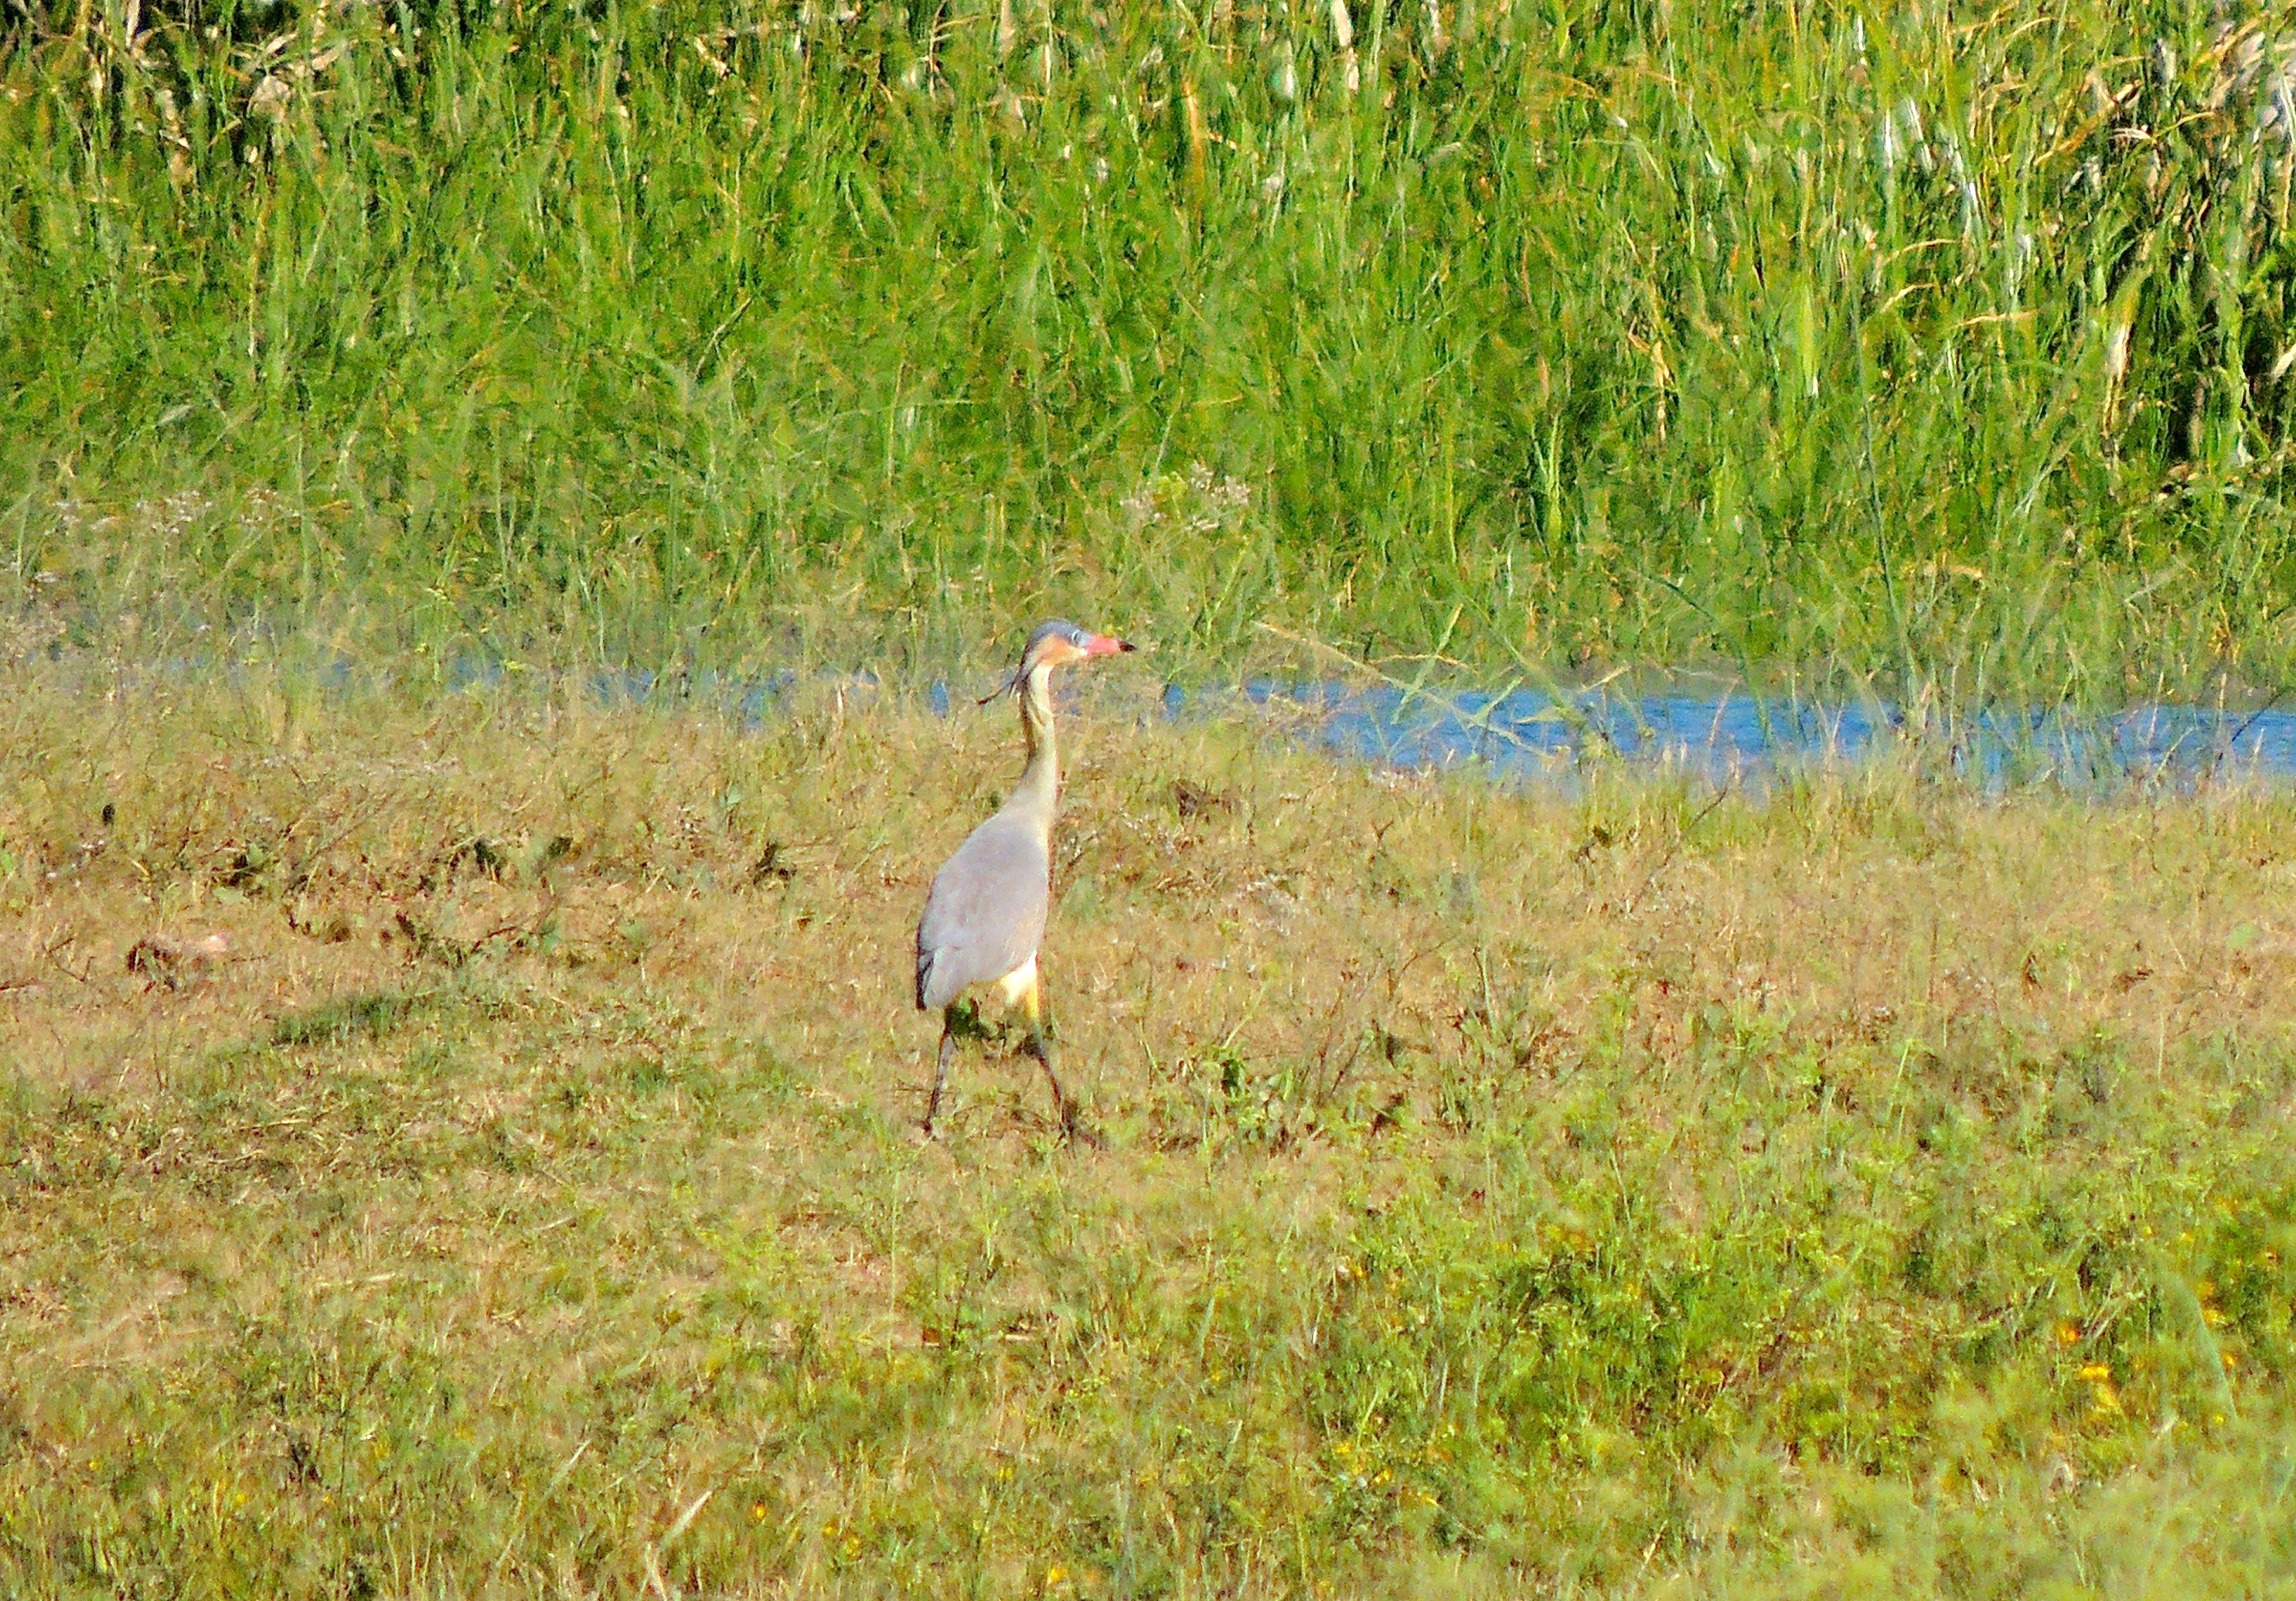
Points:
x=987, y=910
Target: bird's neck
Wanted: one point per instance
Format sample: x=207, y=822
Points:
x=1039, y=789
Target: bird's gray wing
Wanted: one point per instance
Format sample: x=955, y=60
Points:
x=985, y=913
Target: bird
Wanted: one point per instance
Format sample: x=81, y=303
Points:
x=985, y=914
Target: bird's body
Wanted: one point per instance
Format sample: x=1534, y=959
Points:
x=987, y=910
x=985, y=916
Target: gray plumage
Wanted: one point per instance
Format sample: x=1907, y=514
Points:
x=987, y=910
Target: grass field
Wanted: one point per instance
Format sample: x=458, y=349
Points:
x=457, y=1137
x=461, y=1146
x=1942, y=349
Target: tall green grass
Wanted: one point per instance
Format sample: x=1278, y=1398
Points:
x=1945, y=350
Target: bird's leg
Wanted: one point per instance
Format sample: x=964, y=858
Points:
x=1041, y=1048
x=1043, y=1053
x=1073, y=1126
x=940, y=1068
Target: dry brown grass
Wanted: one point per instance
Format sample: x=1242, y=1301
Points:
x=1609, y=1191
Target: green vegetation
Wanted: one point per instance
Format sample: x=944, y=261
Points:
x=1942, y=349
x=1867, y=1194
x=459, y=1145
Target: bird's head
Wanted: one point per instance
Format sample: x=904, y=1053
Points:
x=1059, y=645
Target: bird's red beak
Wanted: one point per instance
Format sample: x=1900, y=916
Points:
x=1102, y=644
